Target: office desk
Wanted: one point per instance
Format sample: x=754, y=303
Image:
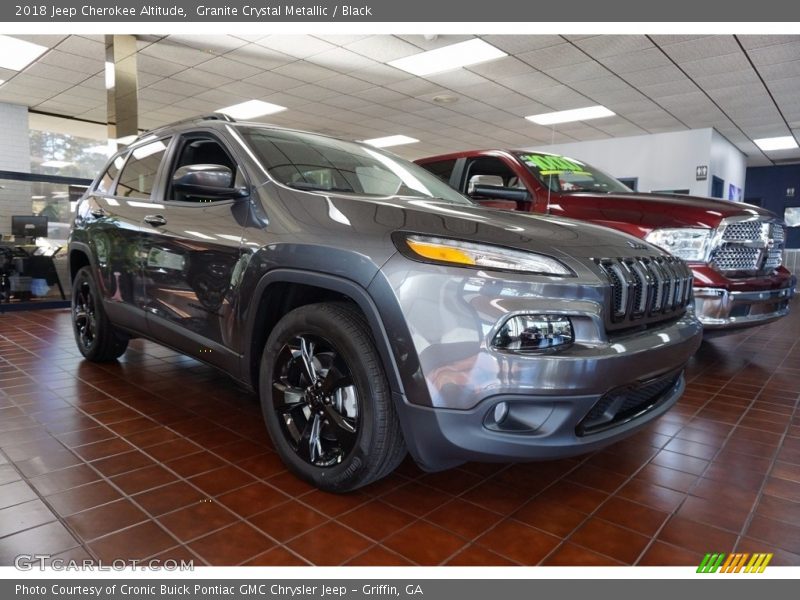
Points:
x=22, y=267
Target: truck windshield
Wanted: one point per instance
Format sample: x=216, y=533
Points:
x=310, y=162
x=562, y=174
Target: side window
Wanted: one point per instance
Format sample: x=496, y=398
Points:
x=443, y=169
x=489, y=171
x=139, y=174
x=199, y=149
x=105, y=184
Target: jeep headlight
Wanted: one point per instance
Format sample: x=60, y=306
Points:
x=689, y=243
x=469, y=254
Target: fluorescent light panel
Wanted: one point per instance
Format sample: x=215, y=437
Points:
x=251, y=109
x=56, y=164
x=17, y=54
x=570, y=116
x=785, y=142
x=448, y=58
x=391, y=140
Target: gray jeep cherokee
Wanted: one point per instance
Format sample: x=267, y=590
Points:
x=376, y=310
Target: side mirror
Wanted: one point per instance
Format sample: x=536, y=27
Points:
x=518, y=195
x=214, y=181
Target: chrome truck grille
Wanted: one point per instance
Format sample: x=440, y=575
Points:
x=646, y=289
x=749, y=247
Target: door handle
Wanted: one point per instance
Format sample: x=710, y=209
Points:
x=98, y=213
x=155, y=220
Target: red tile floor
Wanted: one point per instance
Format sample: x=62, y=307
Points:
x=160, y=456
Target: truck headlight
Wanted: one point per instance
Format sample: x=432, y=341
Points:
x=531, y=333
x=470, y=254
x=689, y=243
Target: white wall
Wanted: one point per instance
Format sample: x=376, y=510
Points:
x=727, y=162
x=15, y=155
x=662, y=161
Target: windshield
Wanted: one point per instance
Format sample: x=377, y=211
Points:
x=562, y=174
x=310, y=162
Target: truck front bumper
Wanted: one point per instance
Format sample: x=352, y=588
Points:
x=721, y=309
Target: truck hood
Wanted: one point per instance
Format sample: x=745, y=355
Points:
x=651, y=211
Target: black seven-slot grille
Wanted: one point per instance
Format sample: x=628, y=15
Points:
x=625, y=404
x=651, y=288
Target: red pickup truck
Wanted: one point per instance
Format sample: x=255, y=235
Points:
x=735, y=250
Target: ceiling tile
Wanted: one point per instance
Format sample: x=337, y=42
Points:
x=55, y=73
x=383, y=48
x=209, y=44
x=304, y=71
x=260, y=57
x=344, y=84
x=157, y=66
x=646, y=59
x=702, y=47
x=81, y=46
x=502, y=68
x=43, y=40
x=436, y=41
x=176, y=53
x=717, y=64
x=518, y=44
x=64, y=60
x=274, y=81
x=601, y=46
x=760, y=41
x=228, y=68
x=578, y=72
x=300, y=46
x=776, y=54
x=341, y=60
x=553, y=57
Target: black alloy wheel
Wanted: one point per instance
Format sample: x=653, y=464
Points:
x=316, y=400
x=326, y=400
x=84, y=315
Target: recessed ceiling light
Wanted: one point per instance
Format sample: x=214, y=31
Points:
x=445, y=99
x=448, y=58
x=569, y=116
x=251, y=109
x=56, y=164
x=786, y=142
x=391, y=140
x=17, y=54
x=38, y=197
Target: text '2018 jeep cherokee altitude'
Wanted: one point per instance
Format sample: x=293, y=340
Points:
x=376, y=310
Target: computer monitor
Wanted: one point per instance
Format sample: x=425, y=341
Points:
x=29, y=226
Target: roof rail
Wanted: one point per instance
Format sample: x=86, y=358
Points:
x=208, y=117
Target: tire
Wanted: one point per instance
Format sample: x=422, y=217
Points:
x=96, y=337
x=357, y=438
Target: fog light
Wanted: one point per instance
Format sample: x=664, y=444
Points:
x=531, y=333
x=500, y=412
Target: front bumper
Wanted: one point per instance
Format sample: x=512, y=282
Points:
x=720, y=309
x=548, y=422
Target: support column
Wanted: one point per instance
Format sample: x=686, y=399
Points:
x=122, y=83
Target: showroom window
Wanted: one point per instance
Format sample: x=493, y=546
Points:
x=34, y=225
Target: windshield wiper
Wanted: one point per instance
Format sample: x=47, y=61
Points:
x=315, y=187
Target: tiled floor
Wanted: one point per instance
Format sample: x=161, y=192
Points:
x=159, y=456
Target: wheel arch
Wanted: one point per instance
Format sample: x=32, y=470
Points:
x=282, y=290
x=79, y=256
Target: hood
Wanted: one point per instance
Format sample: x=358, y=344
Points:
x=651, y=211
x=366, y=224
